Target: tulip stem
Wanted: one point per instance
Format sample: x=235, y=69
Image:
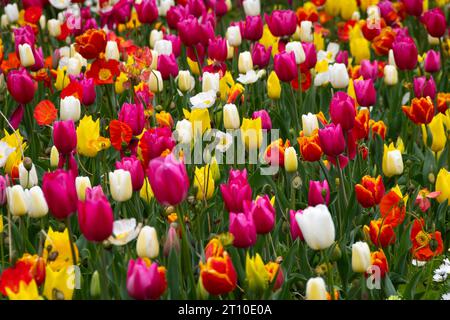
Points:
x=341, y=181
x=329, y=273
x=297, y=123
x=103, y=277
x=72, y=249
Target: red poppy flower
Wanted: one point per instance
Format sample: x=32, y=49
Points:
x=103, y=71
x=120, y=133
x=425, y=245
x=45, y=113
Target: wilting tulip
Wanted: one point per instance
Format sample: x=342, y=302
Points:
x=147, y=11
x=361, y=260
x=266, y=122
x=231, y=118
x=27, y=175
x=61, y=204
x=317, y=227
x=82, y=184
x=290, y=160
x=315, y=289
x=112, y=51
x=263, y=214
x=134, y=166
x=134, y=116
x=234, y=36
x=370, y=191
x=261, y=55
x=338, y=75
x=432, y=61
x=342, y=111
x=285, y=66
x=281, y=22
x=332, y=140
x=17, y=202
x=218, y=275
x=293, y=225
x=405, y=53
x=147, y=245
x=242, y=227
x=392, y=161
x=434, y=21
x=424, y=87
x=390, y=75
x=169, y=180
x=37, y=206
x=366, y=95
x=70, y=109
x=64, y=136
x=245, y=62
x=443, y=185
x=319, y=193
x=297, y=48
x=236, y=191
x=20, y=86
x=421, y=110
x=95, y=215
x=120, y=185
x=145, y=282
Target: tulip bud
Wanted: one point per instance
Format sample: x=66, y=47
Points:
x=95, y=289
x=290, y=160
x=210, y=81
x=70, y=108
x=37, y=206
x=185, y=81
x=154, y=64
x=4, y=22
x=155, y=81
x=317, y=227
x=26, y=55
x=17, y=202
x=297, y=48
x=155, y=35
x=112, y=51
x=184, y=131
x=234, y=36
x=390, y=75
x=245, y=62
x=361, y=260
x=252, y=7
x=339, y=76
x=12, y=12
x=28, y=177
x=81, y=184
x=147, y=245
x=163, y=47
x=315, y=289
x=120, y=185
x=309, y=124
x=54, y=27
x=231, y=118
x=42, y=22
x=172, y=240
x=3, y=186
x=74, y=66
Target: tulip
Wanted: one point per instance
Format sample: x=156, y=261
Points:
x=189, y=31
x=443, y=185
x=236, y=191
x=155, y=35
x=390, y=75
x=167, y=66
x=342, y=57
x=242, y=227
x=366, y=95
x=145, y=282
x=112, y=51
x=297, y=48
x=12, y=12
x=3, y=185
x=310, y=55
x=61, y=204
x=261, y=55
x=263, y=214
x=293, y=225
x=64, y=136
x=392, y=161
x=172, y=240
x=424, y=88
x=120, y=185
x=338, y=75
x=155, y=81
x=70, y=109
x=54, y=27
x=432, y=61
x=147, y=245
x=17, y=202
x=317, y=227
x=310, y=123
x=273, y=86
x=170, y=44
x=332, y=140
x=252, y=7
x=134, y=166
x=168, y=179
x=95, y=215
x=315, y=288
x=369, y=70
x=74, y=66
x=54, y=157
x=185, y=81
x=252, y=28
x=89, y=94
x=319, y=193
x=245, y=63
x=306, y=31
x=26, y=55
x=37, y=206
x=266, y=122
x=217, y=49
x=342, y=111
x=251, y=133
x=434, y=21
x=231, y=118
x=183, y=131
x=421, y=110
x=361, y=259
x=233, y=36
x=438, y=133
x=147, y=11
x=405, y=53
x=290, y=160
x=218, y=275
x=81, y=185
x=281, y=22
x=413, y=7
x=256, y=274
x=20, y=86
x=210, y=81
x=134, y=116
x=370, y=191
x=4, y=22
x=285, y=66
x=154, y=142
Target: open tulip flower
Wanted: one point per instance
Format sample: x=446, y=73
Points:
x=219, y=149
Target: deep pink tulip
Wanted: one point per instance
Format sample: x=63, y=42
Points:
x=64, y=136
x=434, y=21
x=332, y=140
x=147, y=11
x=369, y=70
x=310, y=54
x=405, y=53
x=252, y=28
x=20, y=86
x=217, y=49
x=154, y=141
x=95, y=215
x=342, y=110
x=266, y=122
x=342, y=57
x=168, y=179
x=69, y=163
x=145, y=282
x=206, y=32
x=89, y=94
x=293, y=225
x=432, y=61
x=219, y=7
x=424, y=87
x=413, y=7
x=263, y=214
x=4, y=182
x=243, y=228
x=236, y=191
x=33, y=3
x=319, y=193
x=176, y=43
x=285, y=66
x=196, y=7
x=168, y=66
x=23, y=35
x=175, y=15
x=261, y=55
x=134, y=166
x=366, y=95
x=189, y=31
x=60, y=193
x=133, y=115
x=282, y=23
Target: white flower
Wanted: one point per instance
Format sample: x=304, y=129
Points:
x=250, y=77
x=317, y=227
x=418, y=263
x=124, y=231
x=330, y=54
x=60, y=4
x=446, y=296
x=225, y=141
x=164, y=6
x=183, y=131
x=163, y=47
x=5, y=151
x=203, y=100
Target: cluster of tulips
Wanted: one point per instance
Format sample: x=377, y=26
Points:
x=224, y=149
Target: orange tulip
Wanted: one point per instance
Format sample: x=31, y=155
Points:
x=310, y=147
x=361, y=128
x=443, y=101
x=421, y=110
x=274, y=154
x=379, y=259
x=370, y=191
x=378, y=127
x=383, y=42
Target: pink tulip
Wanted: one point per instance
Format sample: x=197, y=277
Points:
x=243, y=228
x=366, y=95
x=342, y=57
x=342, y=110
x=145, y=282
x=172, y=240
x=168, y=179
x=332, y=140
x=89, y=94
x=4, y=183
x=176, y=14
x=252, y=28
x=168, y=66
x=20, y=86
x=219, y=7
x=176, y=43
x=64, y=136
x=60, y=193
x=293, y=225
x=405, y=53
x=23, y=35
x=285, y=66
x=310, y=55
x=38, y=58
x=134, y=166
x=69, y=163
x=263, y=214
x=236, y=191
x=133, y=115
x=95, y=215
x=154, y=142
x=206, y=32
x=319, y=193
x=424, y=87
x=282, y=23
x=434, y=21
x=189, y=31
x=147, y=11
x=432, y=61
x=261, y=55
x=413, y=7
x=369, y=70
x=217, y=49
x=196, y=7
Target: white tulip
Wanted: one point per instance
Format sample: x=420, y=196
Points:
x=306, y=31
x=147, y=244
x=155, y=35
x=164, y=6
x=54, y=157
x=43, y=22
x=234, y=36
x=185, y=81
x=315, y=289
x=73, y=66
x=339, y=76
x=12, y=12
x=183, y=131
x=37, y=206
x=27, y=178
x=112, y=51
x=394, y=162
x=297, y=48
x=390, y=75
x=155, y=81
x=26, y=55
x=210, y=81
x=245, y=62
x=361, y=260
x=252, y=7
x=231, y=118
x=60, y=4
x=120, y=185
x=81, y=184
x=54, y=27
x=309, y=123
x=317, y=227
x=163, y=47
x=70, y=109
x=17, y=202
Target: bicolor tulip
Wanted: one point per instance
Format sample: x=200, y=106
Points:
x=218, y=275
x=370, y=191
x=315, y=288
x=392, y=161
x=144, y=281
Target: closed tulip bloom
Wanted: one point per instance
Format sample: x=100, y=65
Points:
x=370, y=191
x=252, y=7
x=361, y=259
x=112, y=51
x=172, y=240
x=37, y=206
x=147, y=245
x=273, y=86
x=155, y=35
x=245, y=62
x=210, y=81
x=261, y=55
x=168, y=179
x=218, y=275
x=64, y=136
x=432, y=61
x=242, y=227
x=233, y=36
x=413, y=7
x=231, y=118
x=342, y=111
x=293, y=225
x=390, y=75
x=369, y=70
x=20, y=86
x=134, y=116
x=438, y=133
x=134, y=166
x=315, y=289
x=392, y=161
x=82, y=184
x=189, y=31
x=263, y=214
x=54, y=157
x=366, y=95
x=183, y=131
x=217, y=49
x=26, y=55
x=342, y=57
x=89, y=94
x=421, y=110
x=266, y=122
x=405, y=53
x=70, y=109
x=338, y=75
x=236, y=191
x=185, y=81
x=281, y=22
x=74, y=66
x=27, y=176
x=4, y=181
x=155, y=81
x=257, y=277
x=290, y=160
x=317, y=227
x=167, y=66
x=120, y=185
x=95, y=216
x=443, y=185
x=310, y=123
x=424, y=87
x=164, y=47
x=251, y=133
x=17, y=202
x=285, y=66
x=12, y=12
x=434, y=21
x=332, y=140
x=319, y=193
x=297, y=48
x=310, y=54
x=54, y=27
x=252, y=28
x=144, y=281
x=147, y=11
x=61, y=204
x=306, y=31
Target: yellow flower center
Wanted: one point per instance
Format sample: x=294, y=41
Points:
x=422, y=238
x=104, y=74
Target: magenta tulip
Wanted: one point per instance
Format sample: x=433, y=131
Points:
x=319, y=193
x=133, y=115
x=434, y=21
x=196, y=7
x=432, y=61
x=282, y=23
x=60, y=193
x=154, y=142
x=369, y=70
x=252, y=28
x=285, y=66
x=342, y=110
x=405, y=53
x=189, y=31
x=23, y=35
x=236, y=191
x=145, y=282
x=263, y=214
x=261, y=55
x=168, y=66
x=413, y=7
x=217, y=49
x=89, y=94
x=64, y=136
x=310, y=54
x=342, y=57
x=366, y=95
x=176, y=14
x=147, y=11
x=4, y=183
x=332, y=140
x=38, y=58
x=134, y=166
x=20, y=86
x=293, y=225
x=243, y=228
x=266, y=122
x=176, y=43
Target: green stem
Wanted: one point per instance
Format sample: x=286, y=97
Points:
x=72, y=249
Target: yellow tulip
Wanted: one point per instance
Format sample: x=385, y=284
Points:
x=200, y=120
x=359, y=46
x=443, y=185
x=57, y=251
x=392, y=161
x=59, y=285
x=332, y=7
x=204, y=182
x=14, y=140
x=364, y=4
x=26, y=292
x=215, y=171
x=273, y=86
x=268, y=39
x=347, y=8
x=256, y=274
x=62, y=78
x=118, y=84
x=146, y=192
x=193, y=66
x=319, y=42
x=225, y=85
x=438, y=136
x=251, y=131
x=89, y=141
